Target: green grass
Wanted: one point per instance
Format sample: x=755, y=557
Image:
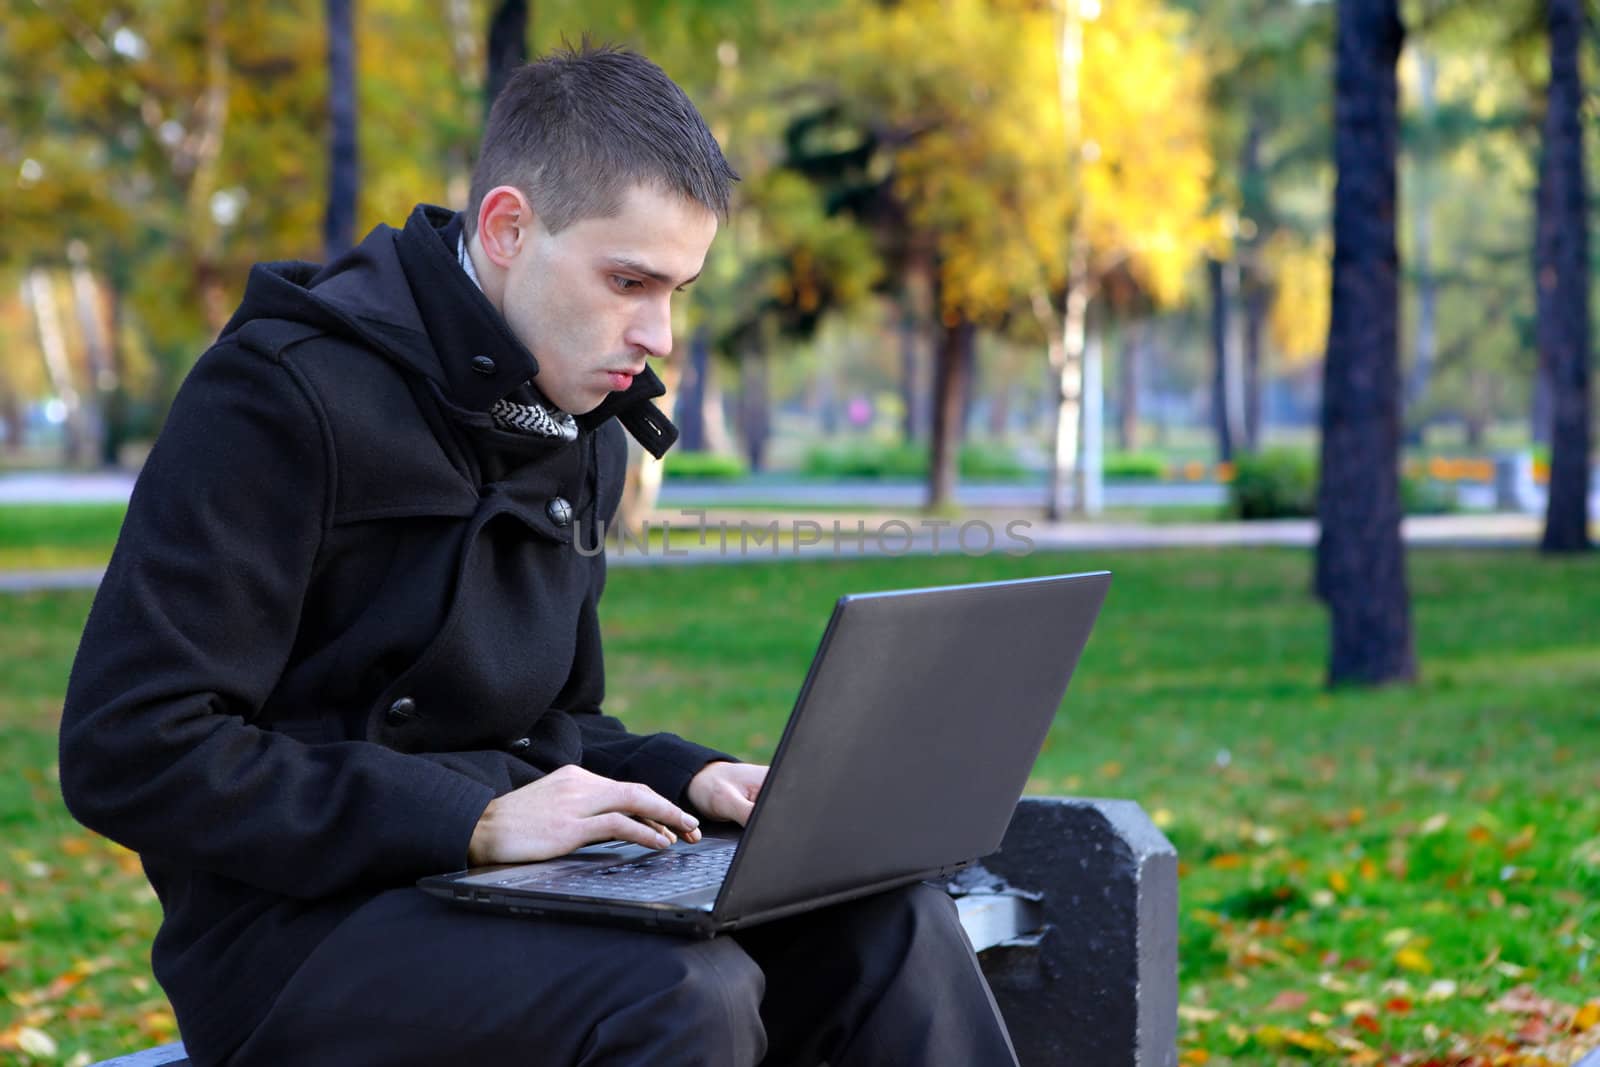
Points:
x=58, y=535
x=1357, y=866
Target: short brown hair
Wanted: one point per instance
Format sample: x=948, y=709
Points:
x=575, y=129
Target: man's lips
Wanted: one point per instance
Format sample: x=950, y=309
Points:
x=621, y=379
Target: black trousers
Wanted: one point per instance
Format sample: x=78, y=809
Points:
x=408, y=979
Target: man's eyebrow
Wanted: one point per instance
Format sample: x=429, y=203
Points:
x=628, y=263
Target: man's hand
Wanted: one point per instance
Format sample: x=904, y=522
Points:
x=727, y=791
x=569, y=808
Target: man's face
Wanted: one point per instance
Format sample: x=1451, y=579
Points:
x=593, y=301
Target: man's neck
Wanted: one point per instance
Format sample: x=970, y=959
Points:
x=490, y=278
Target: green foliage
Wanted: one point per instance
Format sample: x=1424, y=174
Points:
x=871, y=459
x=1134, y=466
x=703, y=466
x=1276, y=484
x=1282, y=483
x=1425, y=496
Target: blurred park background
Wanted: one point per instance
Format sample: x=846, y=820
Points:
x=1111, y=267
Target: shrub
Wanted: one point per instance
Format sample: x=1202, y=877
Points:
x=1134, y=466
x=866, y=459
x=993, y=462
x=871, y=459
x=1282, y=484
x=1276, y=484
x=1424, y=496
x=704, y=465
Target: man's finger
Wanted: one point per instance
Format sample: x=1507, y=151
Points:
x=665, y=831
x=740, y=806
x=615, y=826
x=634, y=798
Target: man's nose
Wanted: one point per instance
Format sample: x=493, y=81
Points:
x=652, y=330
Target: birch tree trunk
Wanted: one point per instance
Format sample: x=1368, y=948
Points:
x=98, y=361
x=39, y=293
x=1426, y=339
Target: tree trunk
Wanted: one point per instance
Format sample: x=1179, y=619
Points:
x=1066, y=339
x=339, y=222
x=690, y=411
x=971, y=382
x=952, y=361
x=714, y=411
x=913, y=424
x=1257, y=302
x=10, y=420
x=40, y=287
x=1360, y=555
x=1128, y=386
x=460, y=18
x=100, y=373
x=1091, y=457
x=1426, y=342
x=1221, y=334
x=1253, y=285
x=213, y=283
x=1563, y=284
x=755, y=411
x=1000, y=411
x=508, y=46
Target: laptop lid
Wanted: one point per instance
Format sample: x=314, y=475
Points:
x=912, y=738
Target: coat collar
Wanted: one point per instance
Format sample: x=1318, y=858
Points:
x=464, y=327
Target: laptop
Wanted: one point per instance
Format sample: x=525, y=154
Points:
x=907, y=750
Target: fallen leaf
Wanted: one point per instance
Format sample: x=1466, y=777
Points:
x=1443, y=989
x=1288, y=1000
x=1412, y=960
x=1311, y=1042
x=36, y=1043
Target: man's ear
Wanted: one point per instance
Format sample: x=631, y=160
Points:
x=505, y=223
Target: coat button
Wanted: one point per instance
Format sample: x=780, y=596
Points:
x=483, y=364
x=559, y=510
x=401, y=712
x=521, y=744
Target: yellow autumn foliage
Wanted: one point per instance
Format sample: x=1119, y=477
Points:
x=984, y=164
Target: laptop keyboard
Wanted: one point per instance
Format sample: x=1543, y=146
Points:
x=657, y=877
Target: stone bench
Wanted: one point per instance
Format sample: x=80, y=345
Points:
x=1075, y=921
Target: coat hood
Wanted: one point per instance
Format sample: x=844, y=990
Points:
x=404, y=294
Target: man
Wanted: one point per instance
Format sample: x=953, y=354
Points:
x=348, y=639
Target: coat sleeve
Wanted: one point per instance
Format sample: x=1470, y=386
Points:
x=665, y=762
x=189, y=632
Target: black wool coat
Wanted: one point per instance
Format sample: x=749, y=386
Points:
x=344, y=613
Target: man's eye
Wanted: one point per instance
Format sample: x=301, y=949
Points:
x=626, y=284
